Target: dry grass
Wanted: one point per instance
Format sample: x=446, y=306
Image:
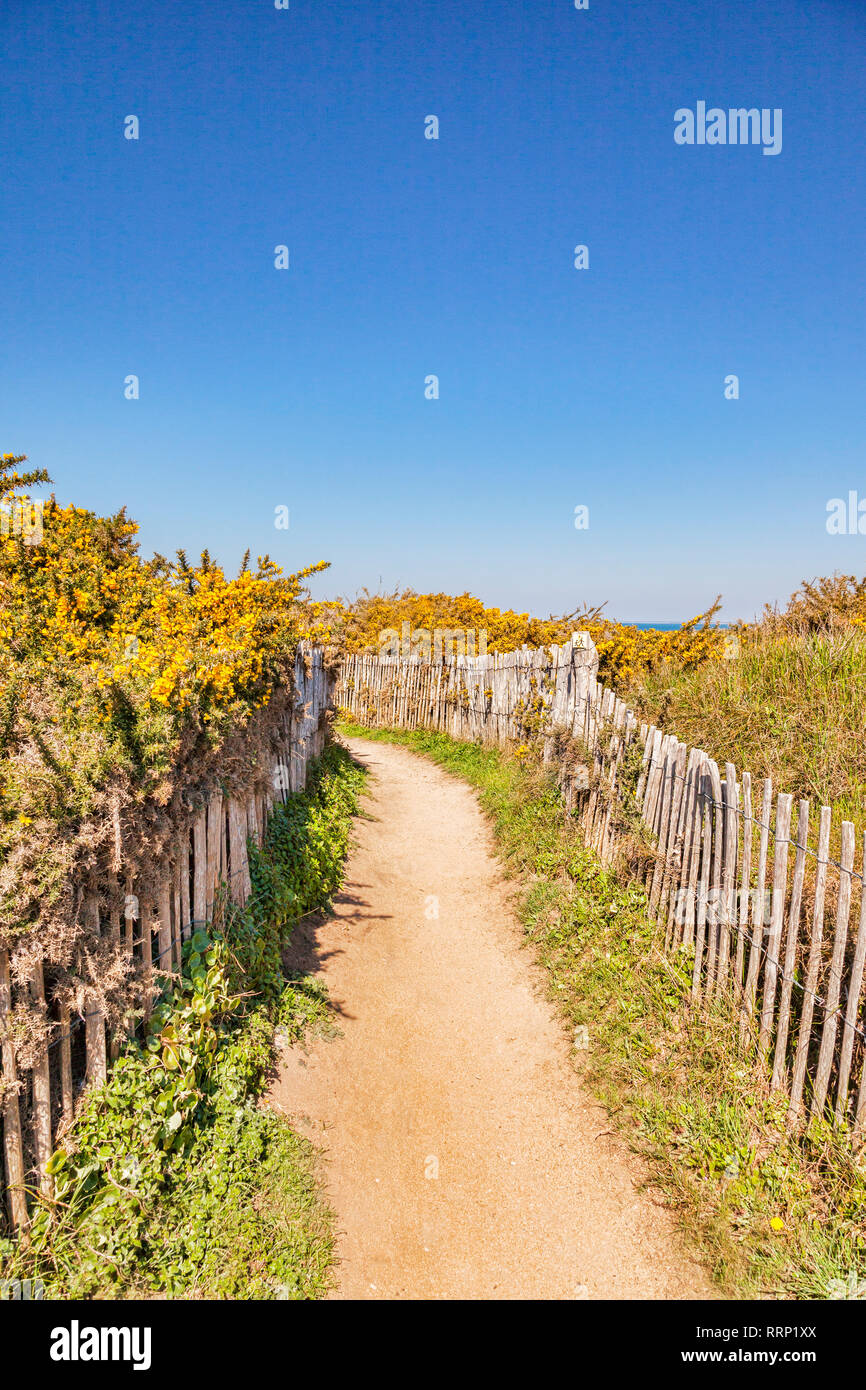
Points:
x=791, y=706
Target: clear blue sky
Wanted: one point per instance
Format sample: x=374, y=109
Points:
x=410, y=257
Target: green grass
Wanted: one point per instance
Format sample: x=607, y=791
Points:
x=773, y=1216
x=175, y=1181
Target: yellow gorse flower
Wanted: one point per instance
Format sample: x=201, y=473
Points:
x=123, y=655
x=625, y=652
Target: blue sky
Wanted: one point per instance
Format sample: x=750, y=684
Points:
x=408, y=257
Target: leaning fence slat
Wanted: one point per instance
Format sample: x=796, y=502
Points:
x=649, y=743
x=214, y=851
x=176, y=940
x=240, y=880
x=131, y=913
x=680, y=901
x=41, y=1082
x=115, y=910
x=660, y=786
x=12, y=1145
x=745, y=881
x=183, y=874
x=67, y=1104
x=834, y=975
x=682, y=849
x=199, y=866
x=758, y=917
x=704, y=879
x=777, y=916
x=784, y=1015
x=810, y=981
x=674, y=840
x=654, y=773
x=252, y=819
x=714, y=923
x=667, y=844
x=690, y=881
x=146, y=924
x=596, y=796
x=619, y=745
x=852, y=1007
x=731, y=819
x=664, y=825
x=94, y=1023
x=163, y=910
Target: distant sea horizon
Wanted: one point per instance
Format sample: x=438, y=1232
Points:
x=662, y=627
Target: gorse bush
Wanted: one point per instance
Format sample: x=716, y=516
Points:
x=627, y=655
x=831, y=603
x=107, y=661
x=361, y=621
x=172, y=1180
x=119, y=679
x=624, y=651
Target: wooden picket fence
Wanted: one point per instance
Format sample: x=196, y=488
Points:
x=145, y=920
x=765, y=912
x=498, y=698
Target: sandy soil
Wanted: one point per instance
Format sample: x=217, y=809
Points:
x=464, y=1160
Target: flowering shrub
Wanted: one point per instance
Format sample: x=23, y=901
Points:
x=109, y=661
x=827, y=604
x=625, y=653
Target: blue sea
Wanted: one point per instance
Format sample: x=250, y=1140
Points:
x=662, y=627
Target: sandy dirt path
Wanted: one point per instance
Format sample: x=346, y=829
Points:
x=463, y=1158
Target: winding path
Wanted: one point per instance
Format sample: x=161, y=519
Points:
x=464, y=1160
